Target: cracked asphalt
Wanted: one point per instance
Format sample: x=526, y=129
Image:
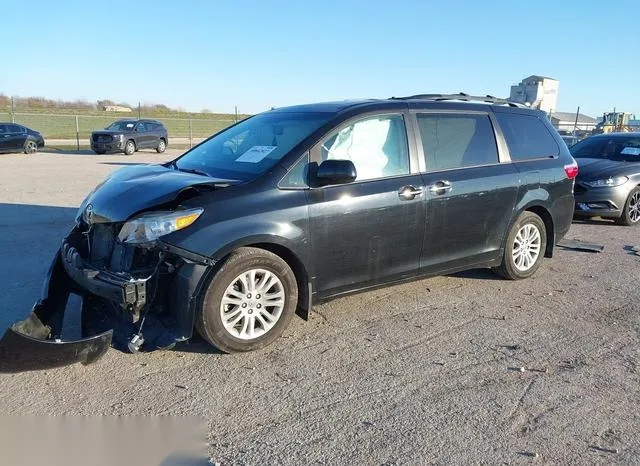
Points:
x=464, y=369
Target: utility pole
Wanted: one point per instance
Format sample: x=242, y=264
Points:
x=13, y=110
x=139, y=110
x=575, y=124
x=77, y=134
x=236, y=114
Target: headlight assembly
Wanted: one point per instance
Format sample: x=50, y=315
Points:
x=151, y=226
x=607, y=182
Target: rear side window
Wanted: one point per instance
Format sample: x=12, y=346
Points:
x=15, y=129
x=527, y=137
x=457, y=141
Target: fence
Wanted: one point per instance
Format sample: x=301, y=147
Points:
x=69, y=129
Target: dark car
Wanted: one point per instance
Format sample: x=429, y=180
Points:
x=301, y=204
x=608, y=185
x=18, y=138
x=129, y=136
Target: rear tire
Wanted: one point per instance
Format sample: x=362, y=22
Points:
x=249, y=301
x=162, y=146
x=129, y=147
x=631, y=212
x=524, y=249
x=30, y=147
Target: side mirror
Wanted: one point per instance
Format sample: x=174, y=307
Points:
x=335, y=172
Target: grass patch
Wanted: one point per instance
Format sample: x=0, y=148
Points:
x=63, y=126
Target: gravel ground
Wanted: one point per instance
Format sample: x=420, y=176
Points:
x=426, y=372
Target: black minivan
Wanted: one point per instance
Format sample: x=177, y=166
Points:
x=301, y=204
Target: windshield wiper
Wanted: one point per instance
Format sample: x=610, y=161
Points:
x=195, y=171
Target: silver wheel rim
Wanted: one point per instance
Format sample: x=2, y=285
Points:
x=130, y=147
x=252, y=304
x=31, y=147
x=161, y=146
x=634, y=207
x=526, y=247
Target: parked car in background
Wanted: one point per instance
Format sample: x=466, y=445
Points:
x=608, y=184
x=302, y=204
x=18, y=138
x=129, y=136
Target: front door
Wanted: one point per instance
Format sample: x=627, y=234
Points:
x=142, y=135
x=369, y=231
x=471, y=189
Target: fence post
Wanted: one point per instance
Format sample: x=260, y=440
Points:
x=77, y=134
x=190, y=135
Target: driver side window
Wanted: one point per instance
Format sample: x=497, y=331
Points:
x=376, y=145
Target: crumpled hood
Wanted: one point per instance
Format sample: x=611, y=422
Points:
x=141, y=187
x=595, y=169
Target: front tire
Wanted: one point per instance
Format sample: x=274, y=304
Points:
x=30, y=147
x=129, y=147
x=249, y=302
x=631, y=212
x=526, y=243
x=162, y=146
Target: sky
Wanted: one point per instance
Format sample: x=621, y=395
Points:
x=256, y=55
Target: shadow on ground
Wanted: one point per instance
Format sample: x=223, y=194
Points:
x=30, y=235
x=478, y=274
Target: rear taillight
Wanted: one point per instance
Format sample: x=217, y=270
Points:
x=571, y=170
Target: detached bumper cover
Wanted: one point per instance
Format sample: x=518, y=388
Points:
x=35, y=344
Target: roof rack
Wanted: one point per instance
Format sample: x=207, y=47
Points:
x=489, y=99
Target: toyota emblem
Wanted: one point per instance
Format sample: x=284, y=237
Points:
x=88, y=214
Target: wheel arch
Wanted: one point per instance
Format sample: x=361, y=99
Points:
x=547, y=218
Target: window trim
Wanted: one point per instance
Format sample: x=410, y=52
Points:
x=315, y=153
x=501, y=143
x=283, y=187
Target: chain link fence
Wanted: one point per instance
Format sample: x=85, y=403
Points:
x=72, y=130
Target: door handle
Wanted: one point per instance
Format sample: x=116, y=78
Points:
x=440, y=187
x=408, y=193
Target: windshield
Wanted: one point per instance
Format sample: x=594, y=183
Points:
x=613, y=148
x=250, y=148
x=121, y=125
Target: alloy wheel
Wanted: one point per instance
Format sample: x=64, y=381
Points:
x=31, y=147
x=526, y=247
x=634, y=207
x=252, y=304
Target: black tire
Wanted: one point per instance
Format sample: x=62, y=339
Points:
x=129, y=147
x=209, y=319
x=162, y=146
x=100, y=152
x=631, y=212
x=30, y=147
x=508, y=269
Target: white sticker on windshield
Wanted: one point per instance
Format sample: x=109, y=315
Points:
x=631, y=151
x=129, y=125
x=256, y=154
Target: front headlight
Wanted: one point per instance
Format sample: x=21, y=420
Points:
x=607, y=182
x=151, y=226
x=118, y=137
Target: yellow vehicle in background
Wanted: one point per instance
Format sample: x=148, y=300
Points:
x=616, y=122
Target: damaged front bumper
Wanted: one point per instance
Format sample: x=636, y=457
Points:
x=115, y=307
x=34, y=343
